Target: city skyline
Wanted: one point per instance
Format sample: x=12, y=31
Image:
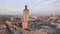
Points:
x=38, y=7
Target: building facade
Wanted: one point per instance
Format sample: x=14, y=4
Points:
x=26, y=14
x=25, y=17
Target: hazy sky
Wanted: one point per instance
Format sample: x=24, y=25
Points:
x=36, y=7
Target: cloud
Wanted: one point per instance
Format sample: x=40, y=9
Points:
x=37, y=6
x=9, y=10
x=47, y=9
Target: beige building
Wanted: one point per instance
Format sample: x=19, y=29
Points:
x=25, y=17
x=53, y=17
x=25, y=14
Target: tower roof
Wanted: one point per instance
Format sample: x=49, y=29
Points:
x=25, y=6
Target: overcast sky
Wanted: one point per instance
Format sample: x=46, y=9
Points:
x=36, y=7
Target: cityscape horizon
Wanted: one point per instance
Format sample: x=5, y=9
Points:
x=29, y=16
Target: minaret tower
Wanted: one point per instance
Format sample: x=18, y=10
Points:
x=25, y=14
x=25, y=17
